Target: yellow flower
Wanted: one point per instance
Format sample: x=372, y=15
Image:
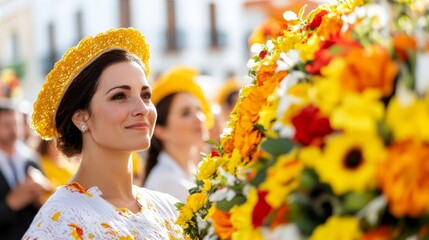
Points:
x=185, y=214
x=308, y=48
x=196, y=201
x=327, y=91
x=234, y=161
x=207, y=186
x=338, y=228
x=282, y=178
x=310, y=155
x=358, y=113
x=349, y=162
x=209, y=167
x=415, y=115
x=241, y=218
x=268, y=113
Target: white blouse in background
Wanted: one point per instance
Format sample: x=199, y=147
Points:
x=168, y=177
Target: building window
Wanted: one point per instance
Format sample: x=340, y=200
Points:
x=125, y=13
x=214, y=37
x=51, y=58
x=15, y=46
x=79, y=25
x=172, y=45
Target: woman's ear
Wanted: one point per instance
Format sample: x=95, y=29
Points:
x=79, y=119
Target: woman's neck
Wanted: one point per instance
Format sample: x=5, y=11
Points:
x=110, y=171
x=185, y=157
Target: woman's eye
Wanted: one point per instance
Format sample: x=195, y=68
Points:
x=146, y=96
x=186, y=113
x=118, y=96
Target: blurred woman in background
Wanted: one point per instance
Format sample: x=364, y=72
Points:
x=184, y=116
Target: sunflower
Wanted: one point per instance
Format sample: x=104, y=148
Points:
x=349, y=162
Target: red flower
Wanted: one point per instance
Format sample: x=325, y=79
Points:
x=317, y=20
x=334, y=46
x=214, y=153
x=310, y=127
x=261, y=210
x=262, y=54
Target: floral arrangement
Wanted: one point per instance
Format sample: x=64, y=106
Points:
x=331, y=138
x=9, y=84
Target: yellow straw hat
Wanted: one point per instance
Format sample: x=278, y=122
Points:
x=72, y=63
x=181, y=79
x=231, y=85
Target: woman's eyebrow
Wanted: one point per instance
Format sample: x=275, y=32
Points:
x=126, y=87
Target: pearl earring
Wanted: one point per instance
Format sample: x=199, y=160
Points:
x=84, y=128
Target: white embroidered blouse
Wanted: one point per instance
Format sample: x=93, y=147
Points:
x=74, y=212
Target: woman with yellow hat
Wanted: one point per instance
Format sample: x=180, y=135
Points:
x=97, y=103
x=181, y=129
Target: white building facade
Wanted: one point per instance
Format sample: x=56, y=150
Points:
x=210, y=35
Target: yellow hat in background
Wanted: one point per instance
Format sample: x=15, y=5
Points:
x=181, y=79
x=231, y=85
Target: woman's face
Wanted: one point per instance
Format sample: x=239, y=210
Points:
x=122, y=116
x=185, y=122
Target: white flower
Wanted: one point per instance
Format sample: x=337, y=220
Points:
x=371, y=211
x=270, y=45
x=257, y=48
x=291, y=79
x=289, y=231
x=289, y=16
x=201, y=223
x=287, y=60
x=219, y=195
x=251, y=63
x=230, y=179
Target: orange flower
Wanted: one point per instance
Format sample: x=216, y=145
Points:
x=270, y=28
x=402, y=43
x=280, y=217
x=381, y=233
x=403, y=178
x=369, y=67
x=245, y=136
x=222, y=224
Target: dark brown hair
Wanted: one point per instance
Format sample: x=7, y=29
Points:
x=78, y=97
x=156, y=145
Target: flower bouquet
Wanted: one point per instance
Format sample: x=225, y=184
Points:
x=331, y=138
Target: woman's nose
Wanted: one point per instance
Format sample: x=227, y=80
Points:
x=200, y=116
x=140, y=107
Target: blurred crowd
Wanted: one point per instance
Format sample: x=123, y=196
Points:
x=189, y=114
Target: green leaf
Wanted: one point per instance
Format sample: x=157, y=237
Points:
x=354, y=201
x=301, y=11
x=179, y=205
x=225, y=205
x=277, y=147
x=259, y=127
x=308, y=178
